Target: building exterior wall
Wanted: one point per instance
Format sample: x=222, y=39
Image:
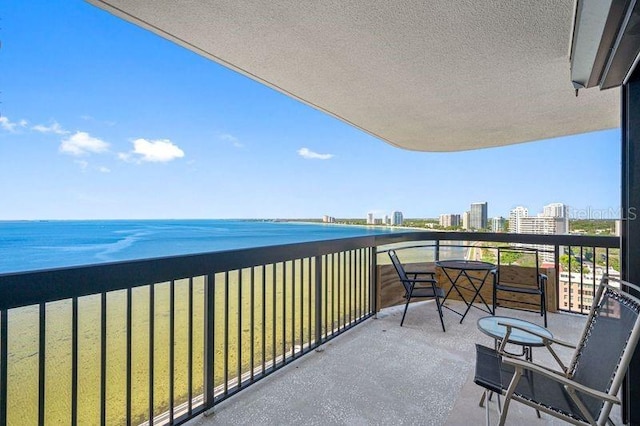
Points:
x=466, y=219
x=478, y=215
x=514, y=218
x=497, y=224
x=449, y=220
x=397, y=219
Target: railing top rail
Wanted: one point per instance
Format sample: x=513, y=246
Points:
x=26, y=288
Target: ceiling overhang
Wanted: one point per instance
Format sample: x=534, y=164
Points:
x=426, y=75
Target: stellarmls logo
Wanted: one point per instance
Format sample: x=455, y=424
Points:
x=601, y=214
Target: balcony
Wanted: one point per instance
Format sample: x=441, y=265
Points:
x=170, y=338
x=381, y=373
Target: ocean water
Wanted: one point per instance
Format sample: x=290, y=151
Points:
x=32, y=245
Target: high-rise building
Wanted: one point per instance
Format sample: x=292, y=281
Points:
x=497, y=224
x=386, y=220
x=328, y=219
x=370, y=219
x=397, y=219
x=478, y=216
x=549, y=221
x=557, y=210
x=449, y=220
x=514, y=218
x=466, y=220
x=542, y=225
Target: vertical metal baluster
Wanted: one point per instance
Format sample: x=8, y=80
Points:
x=556, y=265
x=366, y=279
x=318, y=299
x=208, y=379
x=293, y=308
x=352, y=288
x=358, y=289
x=593, y=281
x=4, y=360
x=334, y=296
x=363, y=275
x=318, y=306
x=74, y=361
x=151, y=349
x=226, y=333
x=251, y=331
x=371, y=281
x=344, y=290
x=302, y=304
x=239, y=332
x=569, y=272
x=190, y=348
x=347, y=287
x=325, y=283
x=264, y=316
x=103, y=359
x=172, y=311
x=41, y=361
x=129, y=344
x=581, y=303
x=340, y=287
x=273, y=319
x=284, y=313
x=359, y=270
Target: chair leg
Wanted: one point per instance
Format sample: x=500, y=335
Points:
x=486, y=409
x=543, y=304
x=440, y=314
x=405, y=311
x=494, y=299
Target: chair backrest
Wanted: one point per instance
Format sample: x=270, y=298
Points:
x=400, y=270
x=608, y=341
x=521, y=257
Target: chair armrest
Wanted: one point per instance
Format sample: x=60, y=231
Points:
x=556, y=376
x=545, y=339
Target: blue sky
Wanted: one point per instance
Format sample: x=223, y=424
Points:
x=104, y=120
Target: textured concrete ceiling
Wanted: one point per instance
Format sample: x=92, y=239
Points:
x=427, y=75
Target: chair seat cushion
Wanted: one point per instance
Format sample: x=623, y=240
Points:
x=426, y=292
x=494, y=375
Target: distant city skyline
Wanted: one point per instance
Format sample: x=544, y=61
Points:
x=101, y=119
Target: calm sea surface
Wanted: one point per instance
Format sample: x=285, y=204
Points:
x=50, y=244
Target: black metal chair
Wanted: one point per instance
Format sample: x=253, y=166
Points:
x=585, y=391
x=535, y=286
x=414, y=289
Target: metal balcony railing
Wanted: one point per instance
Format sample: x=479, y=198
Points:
x=163, y=340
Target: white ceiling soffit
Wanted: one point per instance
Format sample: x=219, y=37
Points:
x=428, y=75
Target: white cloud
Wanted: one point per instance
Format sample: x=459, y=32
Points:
x=103, y=169
x=53, y=128
x=81, y=143
x=153, y=151
x=10, y=126
x=310, y=155
x=230, y=138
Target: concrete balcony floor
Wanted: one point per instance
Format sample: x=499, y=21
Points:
x=381, y=374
